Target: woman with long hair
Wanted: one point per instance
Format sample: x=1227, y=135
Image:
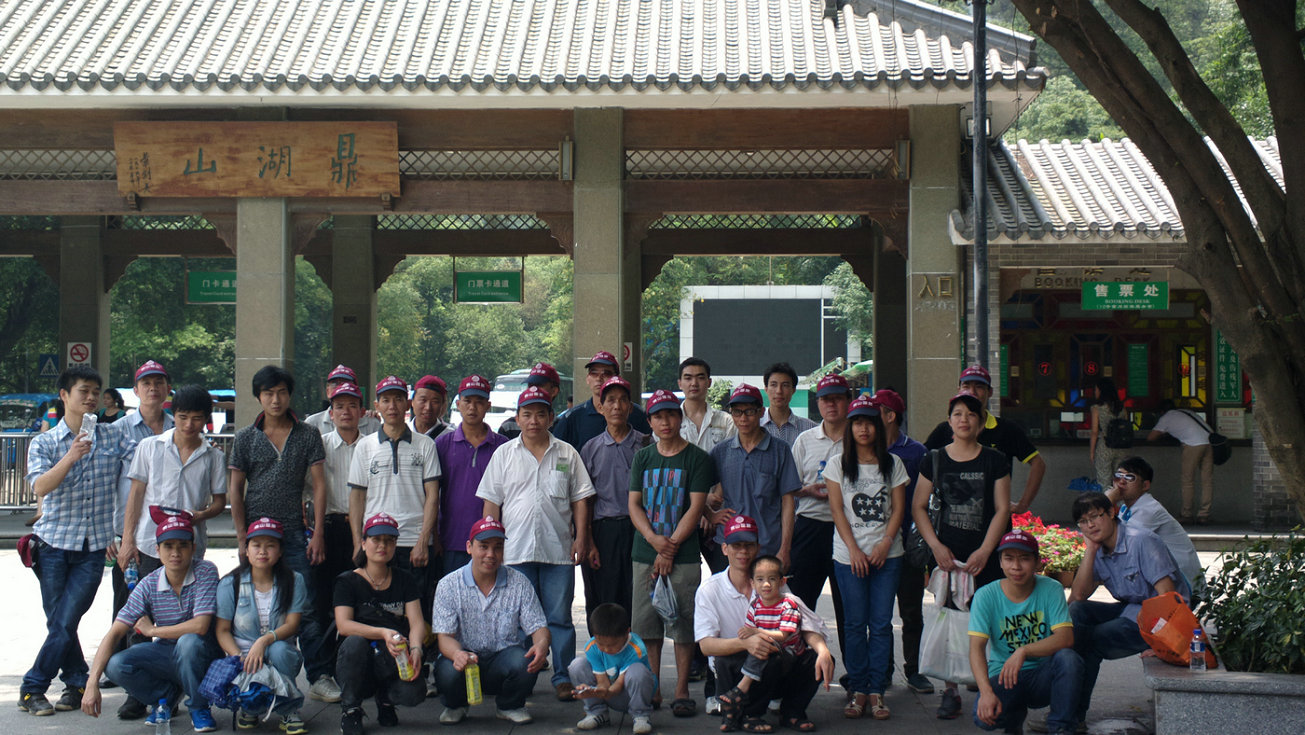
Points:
x=972, y=484
x=1104, y=450
x=259, y=607
x=867, y=498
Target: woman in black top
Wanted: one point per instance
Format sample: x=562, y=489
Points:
x=377, y=613
x=973, y=483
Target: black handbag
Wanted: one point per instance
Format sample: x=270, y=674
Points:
x=917, y=552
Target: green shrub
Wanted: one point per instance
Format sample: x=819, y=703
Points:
x=1256, y=603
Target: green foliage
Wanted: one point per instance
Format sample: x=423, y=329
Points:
x=314, y=310
x=29, y=324
x=1227, y=60
x=853, y=306
x=1064, y=112
x=1257, y=606
x=719, y=392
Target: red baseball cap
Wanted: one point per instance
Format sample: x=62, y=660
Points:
x=862, y=406
x=661, y=400
x=344, y=389
x=149, y=367
x=603, y=357
x=175, y=527
x=616, y=381
x=265, y=527
x=474, y=385
x=533, y=394
x=541, y=373
x=740, y=528
x=1020, y=540
x=487, y=527
x=832, y=385
x=432, y=382
x=975, y=374
x=391, y=383
x=890, y=400
x=342, y=372
x=381, y=524
x=745, y=394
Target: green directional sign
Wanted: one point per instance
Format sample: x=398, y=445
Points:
x=210, y=287
x=487, y=287
x=1125, y=295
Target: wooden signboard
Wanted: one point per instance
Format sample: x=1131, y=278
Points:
x=257, y=159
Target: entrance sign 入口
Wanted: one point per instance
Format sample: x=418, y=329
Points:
x=1125, y=295
x=257, y=159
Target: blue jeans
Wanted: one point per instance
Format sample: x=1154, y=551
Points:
x=161, y=669
x=69, y=581
x=1100, y=634
x=317, y=655
x=502, y=673
x=868, y=615
x=555, y=585
x=1054, y=682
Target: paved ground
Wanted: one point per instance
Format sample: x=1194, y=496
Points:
x=1122, y=704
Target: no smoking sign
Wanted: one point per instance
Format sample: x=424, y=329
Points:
x=79, y=353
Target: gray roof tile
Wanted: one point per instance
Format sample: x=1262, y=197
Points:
x=293, y=47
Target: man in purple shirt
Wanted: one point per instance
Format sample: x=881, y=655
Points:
x=464, y=453
x=608, y=457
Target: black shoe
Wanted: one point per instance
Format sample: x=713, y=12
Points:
x=386, y=716
x=919, y=683
x=35, y=703
x=697, y=670
x=351, y=722
x=132, y=709
x=950, y=707
x=107, y=683
x=71, y=699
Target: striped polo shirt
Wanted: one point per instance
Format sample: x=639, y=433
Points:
x=154, y=597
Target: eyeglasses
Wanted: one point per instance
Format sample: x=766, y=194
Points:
x=1125, y=476
x=749, y=412
x=1091, y=519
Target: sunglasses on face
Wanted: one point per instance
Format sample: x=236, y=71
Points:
x=1125, y=476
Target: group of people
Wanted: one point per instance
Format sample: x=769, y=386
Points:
x=386, y=551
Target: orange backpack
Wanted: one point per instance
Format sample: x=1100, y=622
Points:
x=1166, y=624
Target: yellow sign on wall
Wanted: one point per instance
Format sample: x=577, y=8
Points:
x=257, y=159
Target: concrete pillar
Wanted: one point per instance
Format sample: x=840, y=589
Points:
x=933, y=282
x=607, y=284
x=353, y=340
x=265, y=296
x=890, y=317
x=83, y=298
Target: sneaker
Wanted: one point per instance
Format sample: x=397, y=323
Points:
x=71, y=699
x=351, y=722
x=453, y=715
x=515, y=716
x=324, y=689
x=202, y=720
x=565, y=692
x=107, y=683
x=386, y=716
x=774, y=705
x=246, y=720
x=919, y=683
x=293, y=725
x=132, y=709
x=594, y=721
x=642, y=725
x=432, y=686
x=35, y=703
x=712, y=706
x=950, y=707
x=153, y=717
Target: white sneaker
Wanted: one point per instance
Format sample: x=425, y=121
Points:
x=774, y=705
x=432, y=687
x=593, y=722
x=452, y=715
x=515, y=716
x=713, y=706
x=325, y=689
x=642, y=726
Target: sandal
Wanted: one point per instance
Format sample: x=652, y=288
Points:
x=684, y=708
x=855, y=707
x=657, y=701
x=878, y=709
x=799, y=723
x=731, y=703
x=757, y=725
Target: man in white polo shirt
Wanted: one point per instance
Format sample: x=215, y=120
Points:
x=537, y=485
x=397, y=471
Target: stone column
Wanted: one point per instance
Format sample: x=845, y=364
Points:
x=265, y=296
x=353, y=289
x=890, y=325
x=83, y=298
x=933, y=283
x=607, y=285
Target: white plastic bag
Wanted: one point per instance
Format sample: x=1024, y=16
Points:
x=663, y=600
x=945, y=645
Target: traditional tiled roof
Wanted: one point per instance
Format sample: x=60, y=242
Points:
x=1086, y=190
x=301, y=51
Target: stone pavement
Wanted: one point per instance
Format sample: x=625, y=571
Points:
x=1121, y=706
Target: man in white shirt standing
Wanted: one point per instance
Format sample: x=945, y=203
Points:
x=703, y=425
x=536, y=484
x=1194, y=434
x=1131, y=489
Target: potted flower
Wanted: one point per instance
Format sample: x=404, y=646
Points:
x=1061, y=548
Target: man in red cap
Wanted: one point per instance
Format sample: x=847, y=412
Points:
x=584, y=422
x=464, y=454
x=1005, y=436
x=367, y=423
x=430, y=401
x=543, y=376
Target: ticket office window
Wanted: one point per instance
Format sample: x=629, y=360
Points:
x=1055, y=352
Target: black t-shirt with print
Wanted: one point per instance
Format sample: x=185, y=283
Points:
x=378, y=608
x=967, y=490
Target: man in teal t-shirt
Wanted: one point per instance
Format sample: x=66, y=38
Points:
x=1031, y=661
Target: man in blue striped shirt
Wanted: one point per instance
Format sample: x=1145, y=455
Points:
x=74, y=469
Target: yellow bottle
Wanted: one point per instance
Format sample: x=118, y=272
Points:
x=406, y=671
x=473, y=683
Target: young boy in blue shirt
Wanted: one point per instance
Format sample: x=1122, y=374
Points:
x=613, y=672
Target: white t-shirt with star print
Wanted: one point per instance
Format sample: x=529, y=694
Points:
x=868, y=504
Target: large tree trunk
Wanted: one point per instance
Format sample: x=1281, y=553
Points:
x=1255, y=279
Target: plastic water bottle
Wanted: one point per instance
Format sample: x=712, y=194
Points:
x=1198, y=651
x=131, y=575
x=474, y=695
x=406, y=671
x=162, y=719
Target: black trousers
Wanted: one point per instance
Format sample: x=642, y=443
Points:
x=339, y=559
x=788, y=678
x=812, y=562
x=364, y=670
x=910, y=599
x=611, y=582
